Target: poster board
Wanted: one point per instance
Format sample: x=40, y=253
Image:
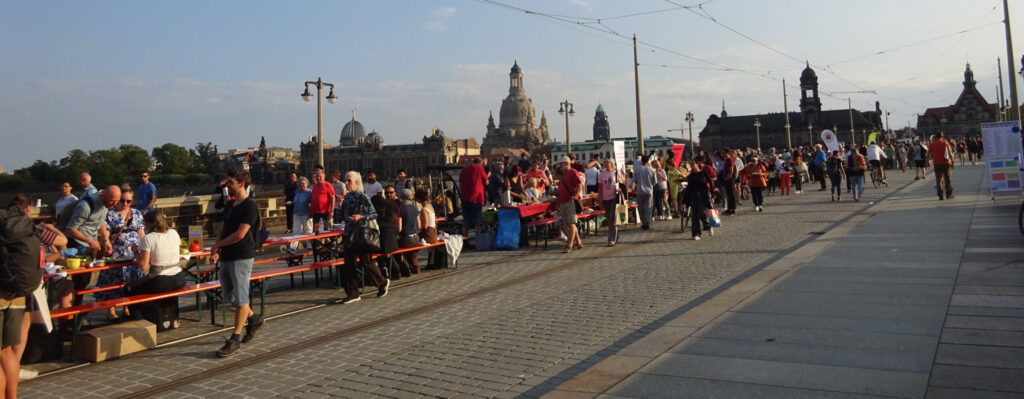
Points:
x=195, y=234
x=619, y=152
x=1004, y=172
x=1001, y=138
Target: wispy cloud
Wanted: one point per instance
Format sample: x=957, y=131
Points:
x=438, y=18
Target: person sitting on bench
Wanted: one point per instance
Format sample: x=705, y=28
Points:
x=158, y=257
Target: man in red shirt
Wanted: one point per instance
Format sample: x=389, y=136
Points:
x=472, y=181
x=321, y=207
x=942, y=162
x=568, y=189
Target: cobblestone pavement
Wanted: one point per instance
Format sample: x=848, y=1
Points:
x=517, y=327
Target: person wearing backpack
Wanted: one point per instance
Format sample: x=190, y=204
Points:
x=856, y=165
x=20, y=274
x=836, y=170
x=235, y=252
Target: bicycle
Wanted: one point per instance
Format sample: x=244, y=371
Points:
x=876, y=176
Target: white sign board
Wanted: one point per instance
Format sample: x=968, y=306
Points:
x=619, y=152
x=830, y=140
x=1001, y=138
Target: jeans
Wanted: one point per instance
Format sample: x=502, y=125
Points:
x=857, y=184
x=943, y=180
x=234, y=280
x=659, y=201
x=836, y=181
x=819, y=173
x=730, y=195
x=643, y=201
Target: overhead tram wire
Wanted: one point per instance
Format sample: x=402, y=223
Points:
x=886, y=51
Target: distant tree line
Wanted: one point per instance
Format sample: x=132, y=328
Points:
x=167, y=164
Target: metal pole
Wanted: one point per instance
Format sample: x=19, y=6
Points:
x=853, y=133
x=757, y=128
x=320, y=122
x=1015, y=103
x=888, y=129
x=636, y=84
x=810, y=134
x=1002, y=101
x=568, y=143
x=785, y=109
x=689, y=121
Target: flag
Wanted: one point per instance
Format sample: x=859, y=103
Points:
x=830, y=139
x=872, y=137
x=677, y=154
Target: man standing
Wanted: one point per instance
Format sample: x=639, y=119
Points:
x=372, y=186
x=146, y=194
x=819, y=165
x=472, y=180
x=942, y=159
x=234, y=252
x=644, y=177
x=289, y=198
x=322, y=204
x=524, y=162
x=568, y=190
x=593, y=169
x=495, y=183
x=86, y=229
x=85, y=182
x=402, y=182
x=21, y=245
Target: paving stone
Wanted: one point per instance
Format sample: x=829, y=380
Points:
x=655, y=386
x=978, y=355
x=983, y=337
x=978, y=378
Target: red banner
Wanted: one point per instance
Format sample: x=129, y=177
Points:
x=677, y=154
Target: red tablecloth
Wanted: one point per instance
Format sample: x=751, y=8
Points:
x=532, y=210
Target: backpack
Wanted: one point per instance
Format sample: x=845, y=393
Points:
x=832, y=166
x=64, y=217
x=20, y=273
x=856, y=164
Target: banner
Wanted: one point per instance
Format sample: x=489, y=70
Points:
x=677, y=154
x=830, y=140
x=1001, y=138
x=1004, y=172
x=619, y=152
x=872, y=137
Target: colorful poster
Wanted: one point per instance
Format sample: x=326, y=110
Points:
x=619, y=152
x=1004, y=172
x=1001, y=138
x=677, y=154
x=830, y=139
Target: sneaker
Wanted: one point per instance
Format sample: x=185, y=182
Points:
x=760, y=209
x=711, y=231
x=950, y=196
x=696, y=238
x=350, y=300
x=382, y=291
x=669, y=217
x=255, y=322
x=230, y=348
x=27, y=374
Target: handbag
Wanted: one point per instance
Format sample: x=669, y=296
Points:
x=713, y=218
x=363, y=237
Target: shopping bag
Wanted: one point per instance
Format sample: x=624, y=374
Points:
x=622, y=214
x=713, y=218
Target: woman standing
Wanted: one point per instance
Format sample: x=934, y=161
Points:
x=697, y=197
x=356, y=209
x=798, y=170
x=158, y=258
x=855, y=172
x=410, y=233
x=386, y=205
x=301, y=203
x=660, y=191
x=783, y=170
x=756, y=174
x=125, y=226
x=428, y=222
x=836, y=170
x=608, y=182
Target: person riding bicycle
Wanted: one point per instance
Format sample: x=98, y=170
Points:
x=875, y=157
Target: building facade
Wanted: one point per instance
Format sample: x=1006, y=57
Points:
x=963, y=118
x=586, y=150
x=516, y=127
x=805, y=126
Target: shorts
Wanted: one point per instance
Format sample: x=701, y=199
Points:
x=918, y=163
x=876, y=163
x=234, y=281
x=567, y=212
x=11, y=313
x=472, y=213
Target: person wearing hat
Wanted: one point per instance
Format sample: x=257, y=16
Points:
x=568, y=190
x=756, y=173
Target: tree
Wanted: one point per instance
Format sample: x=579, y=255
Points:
x=40, y=171
x=205, y=159
x=171, y=158
x=136, y=159
x=74, y=164
x=109, y=167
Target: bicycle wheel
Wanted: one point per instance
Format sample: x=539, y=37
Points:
x=684, y=220
x=876, y=178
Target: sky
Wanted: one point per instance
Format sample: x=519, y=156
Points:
x=94, y=75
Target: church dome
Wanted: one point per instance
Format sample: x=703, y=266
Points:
x=374, y=137
x=808, y=74
x=516, y=110
x=351, y=132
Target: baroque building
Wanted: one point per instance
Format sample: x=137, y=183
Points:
x=516, y=127
x=367, y=152
x=725, y=130
x=602, y=132
x=963, y=118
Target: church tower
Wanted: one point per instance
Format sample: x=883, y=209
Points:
x=810, y=103
x=517, y=127
x=602, y=132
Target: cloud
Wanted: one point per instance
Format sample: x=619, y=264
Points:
x=438, y=18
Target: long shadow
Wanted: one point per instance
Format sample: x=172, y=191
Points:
x=642, y=331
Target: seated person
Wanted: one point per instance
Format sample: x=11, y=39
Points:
x=158, y=257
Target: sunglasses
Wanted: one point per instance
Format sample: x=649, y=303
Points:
x=126, y=201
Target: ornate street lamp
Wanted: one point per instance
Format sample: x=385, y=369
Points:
x=757, y=127
x=565, y=108
x=331, y=98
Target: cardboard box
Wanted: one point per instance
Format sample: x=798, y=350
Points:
x=109, y=342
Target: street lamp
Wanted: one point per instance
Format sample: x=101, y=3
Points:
x=810, y=134
x=689, y=120
x=565, y=108
x=331, y=98
x=757, y=128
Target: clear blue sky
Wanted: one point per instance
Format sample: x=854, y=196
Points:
x=94, y=75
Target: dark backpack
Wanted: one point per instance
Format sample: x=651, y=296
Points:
x=64, y=217
x=833, y=167
x=20, y=273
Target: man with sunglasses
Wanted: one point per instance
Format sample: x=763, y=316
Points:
x=146, y=200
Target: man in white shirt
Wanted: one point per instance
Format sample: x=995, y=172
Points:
x=591, y=175
x=372, y=187
x=875, y=157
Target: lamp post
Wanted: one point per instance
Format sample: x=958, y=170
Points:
x=689, y=121
x=565, y=108
x=331, y=98
x=757, y=129
x=888, y=129
x=810, y=134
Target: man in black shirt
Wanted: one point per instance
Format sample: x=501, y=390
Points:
x=289, y=195
x=235, y=252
